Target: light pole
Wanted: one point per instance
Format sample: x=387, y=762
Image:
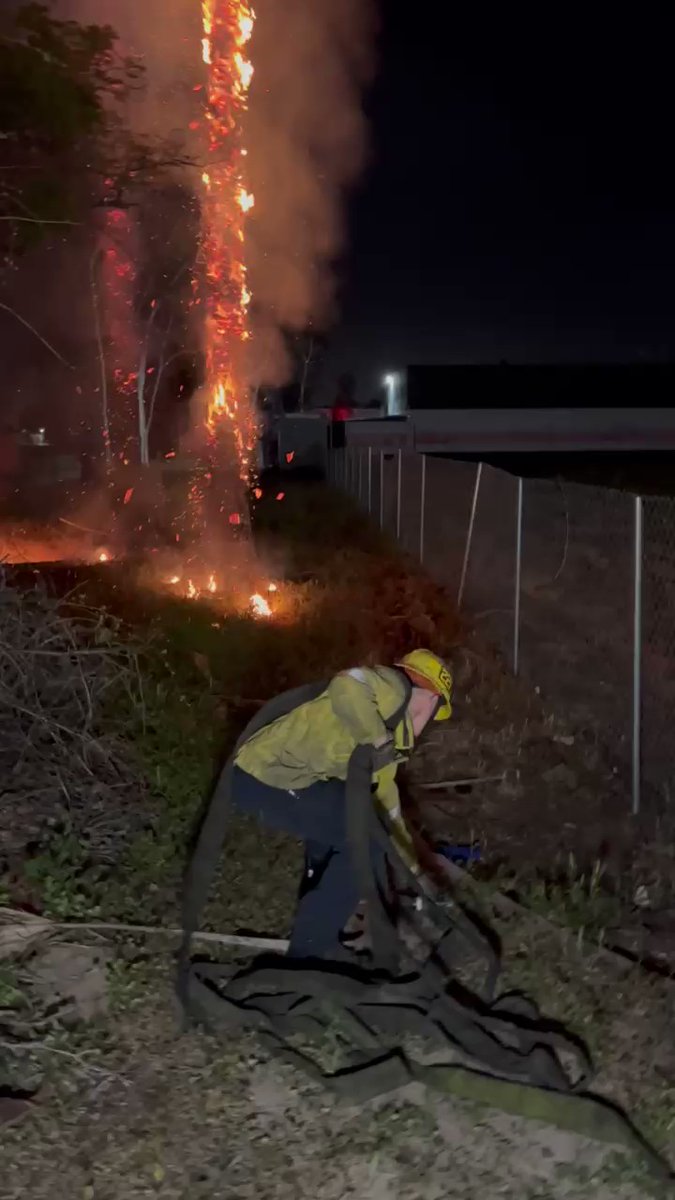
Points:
x=391, y=382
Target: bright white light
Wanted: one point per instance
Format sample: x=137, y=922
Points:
x=392, y=382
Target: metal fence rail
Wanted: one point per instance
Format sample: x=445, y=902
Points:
x=575, y=585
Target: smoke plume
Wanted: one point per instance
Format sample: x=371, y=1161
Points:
x=306, y=137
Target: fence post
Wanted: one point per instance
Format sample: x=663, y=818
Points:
x=423, y=504
x=469, y=535
x=370, y=480
x=381, y=489
x=518, y=580
x=360, y=482
x=637, y=655
x=398, y=496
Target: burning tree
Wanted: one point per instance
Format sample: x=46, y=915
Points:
x=228, y=28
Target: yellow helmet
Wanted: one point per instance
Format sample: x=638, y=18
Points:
x=427, y=670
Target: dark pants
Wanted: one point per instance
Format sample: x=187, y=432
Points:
x=329, y=891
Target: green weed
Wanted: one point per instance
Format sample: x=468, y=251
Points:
x=578, y=900
x=11, y=995
x=64, y=878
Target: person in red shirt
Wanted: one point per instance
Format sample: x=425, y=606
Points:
x=342, y=410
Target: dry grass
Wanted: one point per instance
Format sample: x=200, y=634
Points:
x=62, y=758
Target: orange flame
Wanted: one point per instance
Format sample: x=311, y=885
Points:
x=227, y=201
x=228, y=26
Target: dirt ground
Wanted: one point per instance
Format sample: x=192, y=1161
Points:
x=140, y=1110
x=131, y=1107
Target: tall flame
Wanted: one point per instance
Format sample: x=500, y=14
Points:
x=228, y=26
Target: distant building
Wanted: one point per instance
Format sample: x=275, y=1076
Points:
x=527, y=409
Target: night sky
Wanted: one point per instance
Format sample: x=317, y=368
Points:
x=520, y=198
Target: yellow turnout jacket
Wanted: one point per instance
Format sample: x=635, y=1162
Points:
x=315, y=741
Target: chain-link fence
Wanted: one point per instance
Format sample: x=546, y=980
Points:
x=574, y=584
x=577, y=598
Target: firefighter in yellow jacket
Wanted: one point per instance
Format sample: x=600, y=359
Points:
x=291, y=776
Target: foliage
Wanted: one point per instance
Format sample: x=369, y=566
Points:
x=577, y=900
x=64, y=878
x=59, y=83
x=10, y=991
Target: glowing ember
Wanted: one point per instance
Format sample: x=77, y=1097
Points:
x=212, y=585
x=260, y=606
x=245, y=200
x=104, y=557
x=273, y=588
x=174, y=579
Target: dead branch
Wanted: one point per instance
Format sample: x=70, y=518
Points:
x=96, y=309
x=22, y=320
x=63, y=756
x=242, y=941
x=18, y=925
x=446, y=784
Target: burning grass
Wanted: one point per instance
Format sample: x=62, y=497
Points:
x=36, y=542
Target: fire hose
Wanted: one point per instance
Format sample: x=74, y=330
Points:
x=501, y=1052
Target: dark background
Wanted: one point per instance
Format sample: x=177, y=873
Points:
x=520, y=201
